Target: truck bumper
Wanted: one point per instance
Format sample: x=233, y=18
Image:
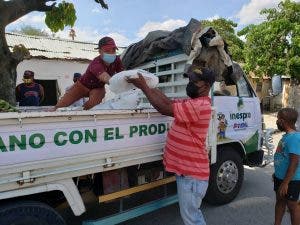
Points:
x=255, y=158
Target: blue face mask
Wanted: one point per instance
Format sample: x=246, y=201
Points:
x=109, y=58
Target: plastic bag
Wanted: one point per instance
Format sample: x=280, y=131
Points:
x=119, y=84
x=126, y=100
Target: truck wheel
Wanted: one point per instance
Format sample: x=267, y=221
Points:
x=226, y=177
x=29, y=213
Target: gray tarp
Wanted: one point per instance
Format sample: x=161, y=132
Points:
x=157, y=42
x=163, y=42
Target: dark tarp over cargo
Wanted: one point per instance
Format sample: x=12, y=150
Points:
x=160, y=44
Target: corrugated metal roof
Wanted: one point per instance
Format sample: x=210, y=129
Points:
x=54, y=48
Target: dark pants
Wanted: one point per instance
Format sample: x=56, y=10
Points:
x=293, y=189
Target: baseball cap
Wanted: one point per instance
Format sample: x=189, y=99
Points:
x=204, y=74
x=77, y=75
x=106, y=43
x=28, y=73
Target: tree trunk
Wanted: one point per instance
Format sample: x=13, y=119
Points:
x=8, y=71
x=7, y=82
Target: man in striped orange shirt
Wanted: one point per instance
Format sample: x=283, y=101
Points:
x=185, y=152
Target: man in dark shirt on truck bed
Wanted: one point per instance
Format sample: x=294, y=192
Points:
x=29, y=93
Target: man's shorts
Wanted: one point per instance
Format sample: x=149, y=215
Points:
x=293, y=189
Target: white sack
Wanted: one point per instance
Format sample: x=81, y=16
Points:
x=126, y=100
x=119, y=84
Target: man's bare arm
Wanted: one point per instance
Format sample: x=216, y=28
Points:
x=294, y=160
x=162, y=95
x=42, y=93
x=159, y=101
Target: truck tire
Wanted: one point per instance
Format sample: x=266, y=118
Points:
x=29, y=213
x=226, y=177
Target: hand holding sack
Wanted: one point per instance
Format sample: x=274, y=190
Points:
x=118, y=83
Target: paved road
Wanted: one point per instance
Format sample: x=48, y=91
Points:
x=253, y=206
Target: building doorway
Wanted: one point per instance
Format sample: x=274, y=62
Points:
x=51, y=92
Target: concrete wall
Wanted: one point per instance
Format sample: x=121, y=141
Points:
x=262, y=87
x=291, y=98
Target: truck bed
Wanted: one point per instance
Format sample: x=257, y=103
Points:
x=40, y=147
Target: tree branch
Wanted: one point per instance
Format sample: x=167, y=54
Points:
x=19, y=53
x=45, y=8
x=102, y=3
x=12, y=10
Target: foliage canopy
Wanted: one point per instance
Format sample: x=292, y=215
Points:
x=273, y=46
x=29, y=30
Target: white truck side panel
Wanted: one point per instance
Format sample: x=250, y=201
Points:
x=34, y=142
x=118, y=139
x=31, y=163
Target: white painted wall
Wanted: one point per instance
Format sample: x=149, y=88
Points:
x=45, y=69
x=60, y=70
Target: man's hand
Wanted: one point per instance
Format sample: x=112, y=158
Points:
x=139, y=82
x=283, y=189
x=104, y=77
x=159, y=100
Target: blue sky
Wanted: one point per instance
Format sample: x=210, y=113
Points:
x=128, y=21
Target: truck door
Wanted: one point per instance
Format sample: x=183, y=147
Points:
x=238, y=114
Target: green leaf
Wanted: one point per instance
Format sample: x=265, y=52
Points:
x=61, y=16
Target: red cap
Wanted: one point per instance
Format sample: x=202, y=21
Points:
x=106, y=43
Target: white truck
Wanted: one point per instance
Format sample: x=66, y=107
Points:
x=44, y=154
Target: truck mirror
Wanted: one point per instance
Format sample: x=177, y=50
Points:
x=276, y=84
